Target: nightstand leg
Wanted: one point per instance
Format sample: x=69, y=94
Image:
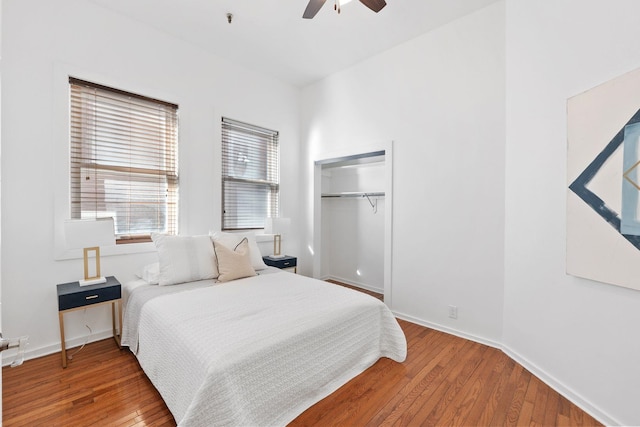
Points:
x=120, y=316
x=117, y=336
x=62, y=344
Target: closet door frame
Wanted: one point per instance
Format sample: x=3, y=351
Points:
x=339, y=156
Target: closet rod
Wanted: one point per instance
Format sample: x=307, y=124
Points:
x=354, y=194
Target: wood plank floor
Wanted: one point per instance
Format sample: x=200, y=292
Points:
x=445, y=380
x=366, y=291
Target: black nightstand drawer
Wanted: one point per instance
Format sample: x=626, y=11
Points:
x=284, y=262
x=72, y=295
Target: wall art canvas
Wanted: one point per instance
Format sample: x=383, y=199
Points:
x=603, y=174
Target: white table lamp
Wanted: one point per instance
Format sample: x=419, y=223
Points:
x=90, y=235
x=277, y=227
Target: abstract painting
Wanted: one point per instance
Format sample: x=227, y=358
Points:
x=603, y=172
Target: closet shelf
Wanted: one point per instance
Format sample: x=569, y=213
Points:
x=355, y=194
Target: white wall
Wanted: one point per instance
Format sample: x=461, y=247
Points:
x=43, y=42
x=440, y=98
x=581, y=335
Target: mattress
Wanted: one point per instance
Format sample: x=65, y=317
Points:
x=255, y=351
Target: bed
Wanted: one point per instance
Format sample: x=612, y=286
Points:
x=257, y=350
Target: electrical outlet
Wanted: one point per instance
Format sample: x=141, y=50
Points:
x=453, y=311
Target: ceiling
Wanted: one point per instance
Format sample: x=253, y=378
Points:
x=272, y=38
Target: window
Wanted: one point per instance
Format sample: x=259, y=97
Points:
x=250, y=175
x=123, y=160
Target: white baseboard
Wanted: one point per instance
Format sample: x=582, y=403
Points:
x=565, y=391
x=545, y=377
x=9, y=356
x=448, y=330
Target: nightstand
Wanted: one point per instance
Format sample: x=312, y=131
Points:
x=72, y=296
x=289, y=263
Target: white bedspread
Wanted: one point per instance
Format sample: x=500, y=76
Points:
x=256, y=351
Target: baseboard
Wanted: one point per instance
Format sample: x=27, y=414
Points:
x=565, y=391
x=448, y=330
x=9, y=356
x=549, y=380
x=356, y=284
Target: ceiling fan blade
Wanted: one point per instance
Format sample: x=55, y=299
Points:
x=375, y=5
x=312, y=8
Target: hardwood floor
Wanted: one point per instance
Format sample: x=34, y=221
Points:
x=445, y=380
x=102, y=385
x=373, y=294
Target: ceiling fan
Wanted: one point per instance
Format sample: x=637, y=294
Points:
x=314, y=6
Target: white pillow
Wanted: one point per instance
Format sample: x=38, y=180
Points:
x=231, y=240
x=184, y=258
x=150, y=273
x=233, y=263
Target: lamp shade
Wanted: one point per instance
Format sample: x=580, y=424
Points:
x=82, y=233
x=277, y=225
x=90, y=235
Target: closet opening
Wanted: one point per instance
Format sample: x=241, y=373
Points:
x=352, y=220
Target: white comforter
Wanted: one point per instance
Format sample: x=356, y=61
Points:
x=255, y=351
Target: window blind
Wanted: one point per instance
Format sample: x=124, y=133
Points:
x=123, y=158
x=250, y=175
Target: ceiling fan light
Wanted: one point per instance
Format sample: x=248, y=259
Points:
x=314, y=6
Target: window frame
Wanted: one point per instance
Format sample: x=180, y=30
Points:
x=165, y=169
x=249, y=136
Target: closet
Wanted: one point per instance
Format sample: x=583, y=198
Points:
x=354, y=229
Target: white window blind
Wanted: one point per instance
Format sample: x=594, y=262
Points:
x=250, y=175
x=124, y=157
